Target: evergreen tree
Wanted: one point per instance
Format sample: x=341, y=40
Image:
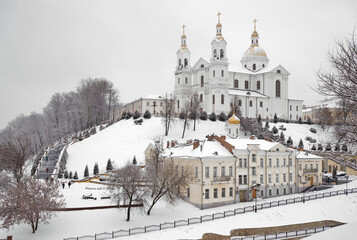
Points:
x=300, y=120
x=123, y=116
x=222, y=117
x=60, y=174
x=301, y=144
x=134, y=160
x=328, y=147
x=267, y=125
x=109, y=165
x=313, y=148
x=337, y=147
x=282, y=137
x=129, y=115
x=203, y=116
x=136, y=115
x=344, y=147
x=147, y=114
x=75, y=175
x=86, y=171
x=182, y=115
x=95, y=169
x=70, y=175
x=275, y=118
x=319, y=147
x=309, y=121
x=213, y=117
x=66, y=174
x=259, y=119
x=275, y=130
x=289, y=142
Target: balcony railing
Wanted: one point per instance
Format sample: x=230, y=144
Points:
x=314, y=170
x=221, y=179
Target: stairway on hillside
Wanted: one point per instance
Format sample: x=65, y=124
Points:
x=48, y=164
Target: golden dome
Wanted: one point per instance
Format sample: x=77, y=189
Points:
x=234, y=119
x=219, y=25
x=183, y=36
x=255, y=51
x=255, y=34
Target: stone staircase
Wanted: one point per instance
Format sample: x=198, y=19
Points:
x=48, y=164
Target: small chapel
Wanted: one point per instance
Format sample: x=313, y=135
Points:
x=257, y=87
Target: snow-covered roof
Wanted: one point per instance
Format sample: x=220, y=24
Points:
x=240, y=92
x=240, y=69
x=154, y=97
x=243, y=143
x=209, y=149
x=302, y=155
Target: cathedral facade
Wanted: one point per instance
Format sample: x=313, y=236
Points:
x=257, y=88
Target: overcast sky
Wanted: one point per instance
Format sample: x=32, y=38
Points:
x=49, y=46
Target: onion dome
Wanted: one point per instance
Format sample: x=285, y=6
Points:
x=234, y=119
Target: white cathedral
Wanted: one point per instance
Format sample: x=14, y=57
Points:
x=260, y=88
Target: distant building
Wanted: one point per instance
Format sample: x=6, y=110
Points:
x=226, y=169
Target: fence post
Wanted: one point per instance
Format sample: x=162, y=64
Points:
x=113, y=234
x=244, y=210
x=201, y=219
x=188, y=221
x=235, y=211
x=145, y=229
x=95, y=236
x=129, y=231
x=269, y=204
x=224, y=214
x=174, y=224
x=160, y=226
x=212, y=216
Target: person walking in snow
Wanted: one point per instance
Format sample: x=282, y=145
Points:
x=63, y=185
x=69, y=184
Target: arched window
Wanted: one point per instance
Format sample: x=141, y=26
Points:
x=258, y=85
x=214, y=54
x=202, y=80
x=252, y=41
x=246, y=85
x=222, y=99
x=214, y=73
x=186, y=80
x=263, y=65
x=186, y=62
x=278, y=71
x=245, y=65
x=201, y=98
x=222, y=53
x=254, y=66
x=213, y=99
x=236, y=83
x=202, y=66
x=277, y=88
x=178, y=104
x=222, y=73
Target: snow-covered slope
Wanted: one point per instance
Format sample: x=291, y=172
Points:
x=122, y=140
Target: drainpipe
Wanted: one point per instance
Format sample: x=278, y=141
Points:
x=248, y=176
x=266, y=173
x=235, y=180
x=291, y=152
x=201, y=183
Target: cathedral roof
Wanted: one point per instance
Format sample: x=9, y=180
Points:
x=271, y=68
x=245, y=93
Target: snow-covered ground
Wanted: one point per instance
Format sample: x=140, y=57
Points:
x=78, y=223
x=122, y=140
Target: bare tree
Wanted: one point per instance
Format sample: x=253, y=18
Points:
x=195, y=109
x=14, y=156
x=324, y=117
x=153, y=161
x=185, y=118
x=127, y=183
x=167, y=181
x=30, y=201
x=340, y=83
x=168, y=108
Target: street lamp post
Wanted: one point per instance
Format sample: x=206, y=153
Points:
x=346, y=184
x=303, y=194
x=255, y=187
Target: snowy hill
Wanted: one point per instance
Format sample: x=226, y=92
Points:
x=122, y=140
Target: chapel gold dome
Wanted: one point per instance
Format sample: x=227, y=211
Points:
x=234, y=120
x=254, y=51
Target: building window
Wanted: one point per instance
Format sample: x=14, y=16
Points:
x=254, y=171
x=230, y=171
x=176, y=170
x=222, y=54
x=261, y=104
x=261, y=179
x=196, y=172
x=147, y=104
x=290, y=177
x=269, y=178
x=263, y=65
x=239, y=102
x=254, y=157
x=270, y=162
x=240, y=163
x=181, y=171
x=262, y=162
x=202, y=66
x=178, y=104
x=277, y=162
x=258, y=85
x=222, y=73
x=254, y=66
x=245, y=179
x=223, y=171
x=213, y=99
x=231, y=192
x=278, y=71
x=291, y=108
x=188, y=192
x=245, y=162
x=178, y=81
x=291, y=117
x=284, y=177
x=215, y=193
x=277, y=88
x=214, y=73
x=223, y=192
x=207, y=172
x=185, y=62
x=214, y=172
x=277, y=178
x=284, y=162
x=222, y=99
x=206, y=193
x=290, y=162
x=246, y=84
x=317, y=166
x=250, y=103
x=297, y=108
x=201, y=98
x=185, y=80
x=240, y=180
x=236, y=83
x=277, y=191
x=202, y=81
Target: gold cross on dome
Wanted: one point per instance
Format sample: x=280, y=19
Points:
x=255, y=21
x=183, y=29
x=219, y=17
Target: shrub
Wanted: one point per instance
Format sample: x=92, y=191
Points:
x=337, y=147
x=182, y=115
x=95, y=169
x=300, y=120
x=259, y=119
x=66, y=174
x=136, y=115
x=147, y=114
x=301, y=144
x=213, y=117
x=203, y=116
x=267, y=125
x=109, y=165
x=344, y=147
x=275, y=118
x=319, y=147
x=192, y=115
x=86, y=171
x=123, y=116
x=313, y=148
x=309, y=121
x=275, y=130
x=129, y=115
x=75, y=175
x=289, y=142
x=328, y=147
x=313, y=130
x=134, y=160
x=222, y=117
x=70, y=175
